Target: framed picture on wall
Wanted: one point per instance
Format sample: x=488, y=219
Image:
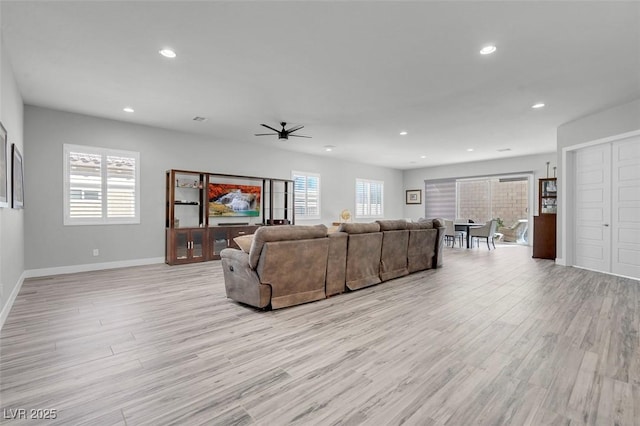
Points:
x=414, y=196
x=17, y=178
x=4, y=169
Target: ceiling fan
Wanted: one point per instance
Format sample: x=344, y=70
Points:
x=283, y=134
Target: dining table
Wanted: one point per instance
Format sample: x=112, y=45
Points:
x=466, y=227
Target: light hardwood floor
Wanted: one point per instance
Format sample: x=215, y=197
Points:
x=491, y=338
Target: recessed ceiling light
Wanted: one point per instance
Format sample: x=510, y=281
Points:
x=329, y=148
x=167, y=53
x=423, y=156
x=504, y=149
x=469, y=149
x=198, y=118
x=487, y=50
x=127, y=109
x=403, y=133
x=538, y=105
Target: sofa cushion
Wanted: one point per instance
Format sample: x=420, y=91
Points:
x=266, y=234
x=244, y=242
x=420, y=225
x=422, y=249
x=359, y=228
x=393, y=258
x=392, y=225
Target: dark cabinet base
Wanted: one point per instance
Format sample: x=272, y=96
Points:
x=544, y=236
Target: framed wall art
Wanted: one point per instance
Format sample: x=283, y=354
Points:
x=414, y=196
x=4, y=169
x=17, y=178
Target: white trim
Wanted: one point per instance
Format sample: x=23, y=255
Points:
x=564, y=206
x=12, y=297
x=72, y=269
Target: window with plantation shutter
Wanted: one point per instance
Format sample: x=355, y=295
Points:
x=101, y=186
x=306, y=188
x=369, y=198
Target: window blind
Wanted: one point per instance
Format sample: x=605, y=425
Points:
x=440, y=199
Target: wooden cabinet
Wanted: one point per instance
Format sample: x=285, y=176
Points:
x=544, y=236
x=186, y=245
x=221, y=237
x=544, y=225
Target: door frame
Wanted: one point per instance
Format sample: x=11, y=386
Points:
x=566, y=194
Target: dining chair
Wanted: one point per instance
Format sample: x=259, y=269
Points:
x=450, y=233
x=487, y=231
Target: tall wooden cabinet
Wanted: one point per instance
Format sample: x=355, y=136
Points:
x=544, y=225
x=199, y=226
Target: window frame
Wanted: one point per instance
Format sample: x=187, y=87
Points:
x=103, y=153
x=307, y=175
x=369, y=182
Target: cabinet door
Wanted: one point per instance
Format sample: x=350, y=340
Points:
x=218, y=241
x=198, y=243
x=182, y=245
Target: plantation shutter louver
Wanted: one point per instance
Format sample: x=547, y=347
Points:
x=85, y=189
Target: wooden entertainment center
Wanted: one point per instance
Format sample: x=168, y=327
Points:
x=206, y=211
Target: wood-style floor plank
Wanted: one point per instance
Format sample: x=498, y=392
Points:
x=492, y=338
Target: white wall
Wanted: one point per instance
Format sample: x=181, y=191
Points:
x=594, y=128
x=51, y=245
x=11, y=220
x=414, y=179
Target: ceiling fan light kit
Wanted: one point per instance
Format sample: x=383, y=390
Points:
x=283, y=134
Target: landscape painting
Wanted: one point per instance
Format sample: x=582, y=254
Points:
x=234, y=200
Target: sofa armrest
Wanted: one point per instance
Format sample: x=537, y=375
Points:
x=336, y=263
x=241, y=282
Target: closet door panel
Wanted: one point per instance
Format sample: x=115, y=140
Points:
x=625, y=191
x=593, y=208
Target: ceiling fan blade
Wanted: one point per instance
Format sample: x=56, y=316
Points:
x=265, y=134
x=270, y=128
x=299, y=136
x=294, y=129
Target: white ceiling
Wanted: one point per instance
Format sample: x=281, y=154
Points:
x=354, y=74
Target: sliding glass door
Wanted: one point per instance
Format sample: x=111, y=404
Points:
x=481, y=199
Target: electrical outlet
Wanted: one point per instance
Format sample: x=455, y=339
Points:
x=96, y=252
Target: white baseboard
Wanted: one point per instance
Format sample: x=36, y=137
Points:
x=560, y=261
x=12, y=297
x=45, y=272
x=608, y=273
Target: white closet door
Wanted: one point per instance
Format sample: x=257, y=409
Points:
x=593, y=208
x=625, y=226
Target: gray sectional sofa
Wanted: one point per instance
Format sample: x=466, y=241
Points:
x=289, y=265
